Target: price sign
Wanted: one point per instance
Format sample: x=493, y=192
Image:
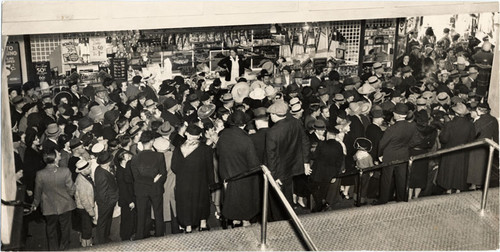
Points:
x=69, y=51
x=119, y=69
x=42, y=71
x=13, y=63
x=97, y=48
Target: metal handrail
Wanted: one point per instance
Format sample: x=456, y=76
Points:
x=268, y=179
x=295, y=219
x=485, y=141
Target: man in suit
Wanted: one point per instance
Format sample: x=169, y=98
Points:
x=287, y=149
x=52, y=133
x=316, y=79
x=150, y=173
x=261, y=120
x=54, y=189
x=394, y=145
x=337, y=105
x=106, y=196
x=170, y=112
x=328, y=160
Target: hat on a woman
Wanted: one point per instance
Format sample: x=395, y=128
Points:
x=362, y=143
x=194, y=130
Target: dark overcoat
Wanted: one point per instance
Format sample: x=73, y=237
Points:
x=485, y=127
x=328, y=159
x=395, y=142
x=106, y=189
x=194, y=174
x=145, y=166
x=287, y=148
x=237, y=155
x=452, y=173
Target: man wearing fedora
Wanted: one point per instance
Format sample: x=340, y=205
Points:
x=287, y=149
x=52, y=134
x=337, y=105
x=106, y=196
x=85, y=203
x=261, y=120
x=328, y=162
x=150, y=173
x=394, y=145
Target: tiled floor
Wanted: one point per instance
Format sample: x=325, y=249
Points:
x=447, y=222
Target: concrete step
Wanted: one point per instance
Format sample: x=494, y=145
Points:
x=446, y=222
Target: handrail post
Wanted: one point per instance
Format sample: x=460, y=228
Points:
x=288, y=207
x=263, y=230
x=487, y=179
x=407, y=183
x=358, y=188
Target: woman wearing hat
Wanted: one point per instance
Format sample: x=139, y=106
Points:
x=84, y=198
x=452, y=174
x=425, y=139
x=126, y=195
x=363, y=160
x=193, y=166
x=54, y=189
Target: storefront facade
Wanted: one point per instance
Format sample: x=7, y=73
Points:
x=305, y=32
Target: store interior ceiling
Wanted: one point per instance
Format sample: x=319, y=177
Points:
x=46, y=17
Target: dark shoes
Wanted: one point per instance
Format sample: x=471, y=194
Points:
x=376, y=202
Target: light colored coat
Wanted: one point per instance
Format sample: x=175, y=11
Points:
x=84, y=195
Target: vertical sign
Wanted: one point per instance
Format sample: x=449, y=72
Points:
x=97, y=48
x=42, y=71
x=13, y=63
x=119, y=69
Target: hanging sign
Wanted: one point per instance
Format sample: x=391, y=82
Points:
x=13, y=63
x=97, y=48
x=42, y=71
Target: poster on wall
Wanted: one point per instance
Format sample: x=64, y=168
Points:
x=97, y=48
x=13, y=63
x=69, y=51
x=42, y=71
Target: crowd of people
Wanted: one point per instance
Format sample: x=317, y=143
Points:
x=88, y=154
